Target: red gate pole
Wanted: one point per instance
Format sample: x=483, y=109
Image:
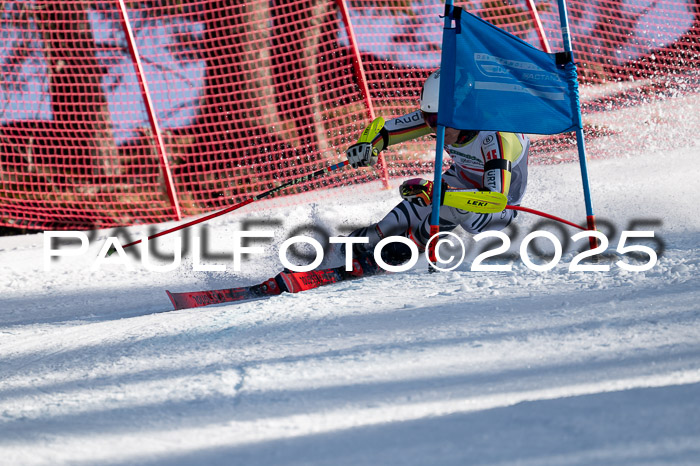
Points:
x=150, y=110
x=361, y=79
x=538, y=26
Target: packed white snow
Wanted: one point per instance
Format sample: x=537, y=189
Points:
x=457, y=367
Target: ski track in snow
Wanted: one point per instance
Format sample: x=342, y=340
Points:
x=461, y=367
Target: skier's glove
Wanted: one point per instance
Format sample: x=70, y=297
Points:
x=362, y=154
x=419, y=191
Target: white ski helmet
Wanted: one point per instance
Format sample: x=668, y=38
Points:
x=429, y=96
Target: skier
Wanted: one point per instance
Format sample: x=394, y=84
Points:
x=482, y=160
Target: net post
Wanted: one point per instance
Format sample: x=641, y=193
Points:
x=361, y=77
x=150, y=110
x=538, y=26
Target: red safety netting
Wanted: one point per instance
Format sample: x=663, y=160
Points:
x=249, y=94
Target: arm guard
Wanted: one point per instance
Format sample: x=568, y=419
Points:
x=499, y=155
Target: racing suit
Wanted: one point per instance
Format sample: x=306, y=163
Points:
x=485, y=160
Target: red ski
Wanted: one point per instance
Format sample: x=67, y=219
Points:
x=287, y=281
x=204, y=298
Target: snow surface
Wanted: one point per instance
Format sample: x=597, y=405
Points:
x=461, y=367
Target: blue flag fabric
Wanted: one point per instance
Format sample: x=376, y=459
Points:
x=491, y=80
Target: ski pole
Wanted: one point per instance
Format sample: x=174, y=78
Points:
x=265, y=194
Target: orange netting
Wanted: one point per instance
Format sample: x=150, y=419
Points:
x=250, y=94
